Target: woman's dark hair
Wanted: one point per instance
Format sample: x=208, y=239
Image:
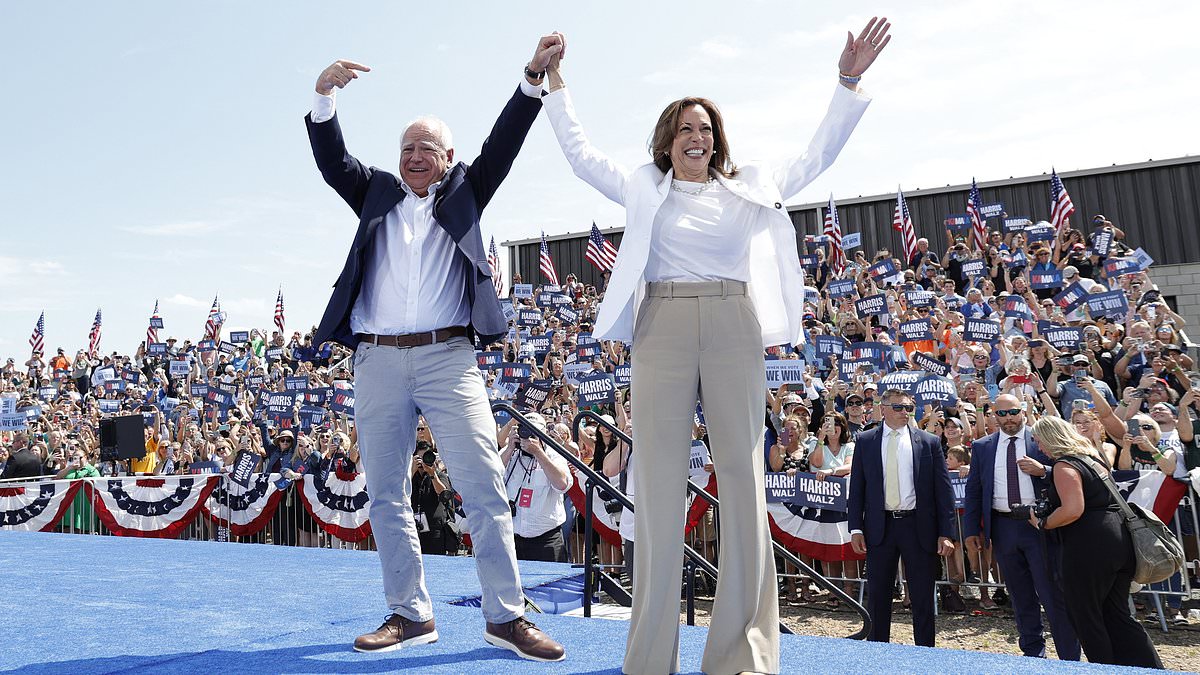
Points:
x=839, y=420
x=667, y=127
x=602, y=448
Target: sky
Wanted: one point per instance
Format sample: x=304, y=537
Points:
x=157, y=151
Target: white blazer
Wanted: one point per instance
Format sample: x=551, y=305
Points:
x=776, y=279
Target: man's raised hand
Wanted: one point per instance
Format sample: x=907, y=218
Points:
x=338, y=74
x=550, y=50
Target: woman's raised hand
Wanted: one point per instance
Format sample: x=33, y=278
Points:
x=860, y=52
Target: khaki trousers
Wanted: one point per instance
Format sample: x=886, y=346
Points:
x=702, y=337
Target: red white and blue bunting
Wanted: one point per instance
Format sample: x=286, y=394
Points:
x=244, y=510
x=817, y=533
x=150, y=507
x=338, y=502
x=35, y=507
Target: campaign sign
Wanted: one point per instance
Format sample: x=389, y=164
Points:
x=147, y=418
x=1143, y=259
x=1112, y=304
x=1070, y=298
x=239, y=336
x=809, y=261
x=280, y=403
x=198, y=390
x=1015, y=305
x=920, y=298
x=993, y=210
x=981, y=330
x=696, y=461
x=1046, y=279
x=255, y=380
x=131, y=376
x=295, y=383
x=567, y=315
x=870, y=305
x=974, y=268
x=107, y=405
x=596, y=389
x=243, y=467
x=489, y=360
x=275, y=354
x=851, y=241
x=1102, y=240
x=510, y=312
x=523, y=291
x=929, y=364
x=1063, y=338
x=528, y=318
x=342, y=401
x=816, y=238
x=1011, y=225
x=1115, y=267
x=848, y=368
x=156, y=322
x=623, y=375
x=318, y=395
x=812, y=296
x=179, y=368
x=781, y=488
x=840, y=288
x=829, y=494
x=219, y=396
x=197, y=468
x=514, y=372
x=156, y=348
x=47, y=393
x=904, y=380
x=586, y=339
x=227, y=347
x=957, y=222
x=1043, y=232
x=114, y=386
x=870, y=351
x=311, y=416
x=913, y=331
x=1019, y=259
x=882, y=269
x=789, y=371
x=532, y=395
x=540, y=343
x=588, y=351
x=959, y=486
x=106, y=373
x=545, y=299
x=572, y=372
x=936, y=391
x=829, y=345
x=209, y=346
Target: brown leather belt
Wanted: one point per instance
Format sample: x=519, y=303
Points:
x=414, y=339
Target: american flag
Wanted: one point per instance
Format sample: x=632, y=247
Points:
x=1061, y=207
x=494, y=266
x=94, y=335
x=37, y=340
x=212, y=327
x=978, y=226
x=902, y=223
x=546, y=263
x=279, y=310
x=833, y=229
x=600, y=252
x=151, y=331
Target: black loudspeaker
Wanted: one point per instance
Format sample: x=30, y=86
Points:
x=122, y=438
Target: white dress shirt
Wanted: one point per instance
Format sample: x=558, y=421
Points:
x=539, y=505
x=701, y=237
x=404, y=288
x=904, y=461
x=1000, y=474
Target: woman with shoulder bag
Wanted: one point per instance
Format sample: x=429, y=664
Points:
x=1097, y=557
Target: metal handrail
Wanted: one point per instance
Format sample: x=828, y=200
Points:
x=700, y=492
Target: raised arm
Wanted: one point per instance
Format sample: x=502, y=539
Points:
x=344, y=173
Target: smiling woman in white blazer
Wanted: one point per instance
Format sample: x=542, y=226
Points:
x=706, y=276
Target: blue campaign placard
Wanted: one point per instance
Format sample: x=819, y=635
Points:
x=957, y=222
x=882, y=269
x=281, y=404
x=781, y=488
x=1046, y=279
x=829, y=494
x=220, y=396
x=974, y=268
x=913, y=331
x=239, y=336
x=829, y=345
x=109, y=405
x=342, y=401
x=567, y=315
x=131, y=376
x=587, y=352
x=1015, y=305
x=596, y=389
x=523, y=291
x=209, y=346
x=295, y=383
x=514, y=372
x=929, y=364
x=156, y=348
x=623, y=375
x=489, y=360
x=809, y=261
x=1011, y=225
x=255, y=380
x=544, y=299
x=156, y=322
x=311, y=416
x=528, y=318
x=866, y=351
x=785, y=371
x=318, y=395
x=1115, y=267
x=1102, y=240
x=1018, y=259
x=935, y=390
x=1071, y=298
x=851, y=241
x=114, y=386
x=510, y=312
x=275, y=354
x=1043, y=232
x=840, y=288
x=179, y=368
x=540, y=344
x=920, y=298
x=1063, y=338
x=959, y=486
x=532, y=395
x=227, y=347
x=904, y=380
x=1112, y=304
x=871, y=305
x=198, y=390
x=981, y=330
x=1143, y=259
x=993, y=210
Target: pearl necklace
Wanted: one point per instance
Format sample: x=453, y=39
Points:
x=703, y=186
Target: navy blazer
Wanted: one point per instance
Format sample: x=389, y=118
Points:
x=981, y=481
x=931, y=480
x=464, y=192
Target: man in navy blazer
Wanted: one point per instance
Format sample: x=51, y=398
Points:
x=901, y=507
x=414, y=293
x=1007, y=471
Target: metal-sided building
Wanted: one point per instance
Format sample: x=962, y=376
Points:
x=1155, y=202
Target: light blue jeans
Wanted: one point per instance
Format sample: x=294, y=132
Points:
x=442, y=380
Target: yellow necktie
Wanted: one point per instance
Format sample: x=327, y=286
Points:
x=891, y=479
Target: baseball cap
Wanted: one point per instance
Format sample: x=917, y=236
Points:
x=1079, y=360
x=1069, y=272
x=792, y=399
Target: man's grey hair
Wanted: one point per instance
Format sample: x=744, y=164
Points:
x=923, y=240
x=434, y=124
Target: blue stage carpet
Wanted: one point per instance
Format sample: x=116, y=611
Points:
x=87, y=604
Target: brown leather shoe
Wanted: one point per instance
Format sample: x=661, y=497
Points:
x=396, y=632
x=525, y=640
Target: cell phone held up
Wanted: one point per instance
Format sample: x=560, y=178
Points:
x=1133, y=427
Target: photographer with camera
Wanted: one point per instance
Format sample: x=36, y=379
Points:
x=536, y=481
x=433, y=503
x=1005, y=483
x=1080, y=386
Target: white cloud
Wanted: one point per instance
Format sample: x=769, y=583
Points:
x=193, y=228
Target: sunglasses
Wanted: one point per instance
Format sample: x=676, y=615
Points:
x=906, y=407
x=854, y=405
x=1008, y=413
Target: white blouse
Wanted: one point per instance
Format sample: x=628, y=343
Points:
x=701, y=233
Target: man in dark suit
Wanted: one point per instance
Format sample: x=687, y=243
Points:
x=23, y=462
x=414, y=292
x=901, y=507
x=1007, y=471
